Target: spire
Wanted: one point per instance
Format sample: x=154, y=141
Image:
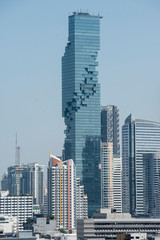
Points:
x=17, y=164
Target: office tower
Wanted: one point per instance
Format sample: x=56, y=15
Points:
x=16, y=206
x=138, y=138
x=152, y=183
x=62, y=193
x=110, y=127
x=32, y=182
x=81, y=103
x=14, y=176
x=4, y=182
x=110, y=178
x=30, y=179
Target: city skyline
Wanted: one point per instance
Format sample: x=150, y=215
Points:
x=31, y=92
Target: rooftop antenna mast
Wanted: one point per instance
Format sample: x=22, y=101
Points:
x=17, y=169
x=17, y=165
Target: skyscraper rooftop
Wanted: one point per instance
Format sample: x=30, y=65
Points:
x=86, y=14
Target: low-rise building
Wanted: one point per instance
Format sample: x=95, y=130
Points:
x=17, y=206
x=108, y=224
x=8, y=224
x=44, y=226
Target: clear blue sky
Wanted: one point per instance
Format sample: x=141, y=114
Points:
x=33, y=35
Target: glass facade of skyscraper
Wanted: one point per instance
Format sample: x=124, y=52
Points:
x=152, y=173
x=81, y=102
x=30, y=179
x=110, y=127
x=139, y=137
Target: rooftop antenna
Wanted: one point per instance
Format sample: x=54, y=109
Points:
x=17, y=170
x=16, y=149
x=17, y=165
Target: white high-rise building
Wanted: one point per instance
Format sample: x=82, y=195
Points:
x=62, y=196
x=16, y=206
x=106, y=175
x=110, y=178
x=117, y=184
x=81, y=201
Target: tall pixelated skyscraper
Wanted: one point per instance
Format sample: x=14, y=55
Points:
x=81, y=102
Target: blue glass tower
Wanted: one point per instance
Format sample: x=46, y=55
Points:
x=140, y=144
x=81, y=103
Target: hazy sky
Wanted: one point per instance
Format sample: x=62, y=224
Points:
x=33, y=36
